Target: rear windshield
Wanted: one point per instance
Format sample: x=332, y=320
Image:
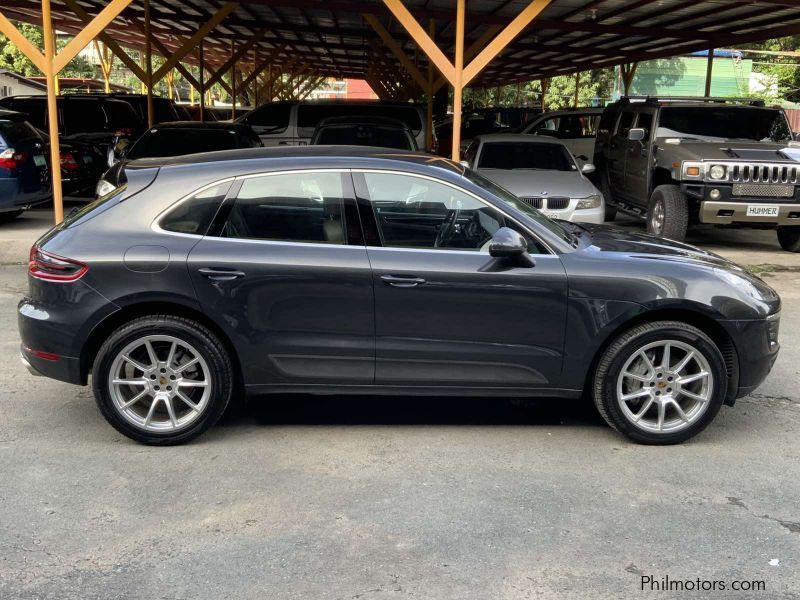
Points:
x=83, y=116
x=724, y=123
x=515, y=155
x=35, y=110
x=176, y=142
x=12, y=132
x=365, y=135
x=309, y=115
x=121, y=115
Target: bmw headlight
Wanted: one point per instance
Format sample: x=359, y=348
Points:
x=593, y=201
x=103, y=188
x=717, y=172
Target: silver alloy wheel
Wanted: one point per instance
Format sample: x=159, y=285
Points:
x=160, y=383
x=657, y=218
x=665, y=386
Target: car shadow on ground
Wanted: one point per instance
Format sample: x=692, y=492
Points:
x=404, y=410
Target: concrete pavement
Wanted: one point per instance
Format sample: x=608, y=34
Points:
x=374, y=498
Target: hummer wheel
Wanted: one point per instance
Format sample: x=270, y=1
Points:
x=789, y=237
x=668, y=213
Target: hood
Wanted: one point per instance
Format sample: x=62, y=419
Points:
x=524, y=182
x=734, y=150
x=613, y=239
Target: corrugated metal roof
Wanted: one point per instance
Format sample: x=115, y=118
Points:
x=332, y=37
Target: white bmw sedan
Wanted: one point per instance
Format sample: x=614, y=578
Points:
x=540, y=171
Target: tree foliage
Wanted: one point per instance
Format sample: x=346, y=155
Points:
x=12, y=58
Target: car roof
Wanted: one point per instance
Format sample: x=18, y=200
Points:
x=518, y=137
x=301, y=154
x=571, y=111
x=199, y=125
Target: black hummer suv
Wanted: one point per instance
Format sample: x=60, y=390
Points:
x=680, y=161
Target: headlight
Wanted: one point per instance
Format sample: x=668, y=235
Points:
x=773, y=324
x=593, y=201
x=717, y=172
x=103, y=188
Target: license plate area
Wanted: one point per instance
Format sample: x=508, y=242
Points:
x=766, y=190
x=763, y=210
x=39, y=160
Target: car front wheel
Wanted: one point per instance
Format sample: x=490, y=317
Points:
x=162, y=380
x=660, y=383
x=668, y=213
x=789, y=237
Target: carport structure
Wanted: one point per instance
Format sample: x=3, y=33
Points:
x=405, y=49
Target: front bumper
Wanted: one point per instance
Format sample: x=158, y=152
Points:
x=586, y=215
x=756, y=348
x=723, y=213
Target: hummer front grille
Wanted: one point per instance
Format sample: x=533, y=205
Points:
x=764, y=173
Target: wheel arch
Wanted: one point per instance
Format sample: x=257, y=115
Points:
x=153, y=307
x=702, y=321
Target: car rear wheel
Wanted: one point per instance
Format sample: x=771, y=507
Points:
x=660, y=383
x=162, y=380
x=668, y=213
x=789, y=237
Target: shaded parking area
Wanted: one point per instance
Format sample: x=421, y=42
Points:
x=345, y=497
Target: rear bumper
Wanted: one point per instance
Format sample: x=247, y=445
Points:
x=723, y=213
x=63, y=368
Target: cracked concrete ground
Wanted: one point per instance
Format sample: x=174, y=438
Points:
x=371, y=498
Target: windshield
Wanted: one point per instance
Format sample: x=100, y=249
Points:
x=525, y=155
x=160, y=143
x=724, y=123
x=506, y=196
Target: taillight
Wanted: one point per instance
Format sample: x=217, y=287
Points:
x=43, y=265
x=69, y=162
x=124, y=132
x=11, y=159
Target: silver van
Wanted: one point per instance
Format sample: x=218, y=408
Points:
x=293, y=123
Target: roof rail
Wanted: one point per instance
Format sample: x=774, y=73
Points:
x=709, y=99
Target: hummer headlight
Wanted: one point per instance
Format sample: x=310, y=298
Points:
x=717, y=172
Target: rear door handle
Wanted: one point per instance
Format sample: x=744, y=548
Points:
x=220, y=274
x=402, y=281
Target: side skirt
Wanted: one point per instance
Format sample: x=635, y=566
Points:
x=393, y=390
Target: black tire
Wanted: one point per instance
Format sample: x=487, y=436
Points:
x=675, y=210
x=8, y=216
x=789, y=237
x=614, y=358
x=605, y=189
x=220, y=373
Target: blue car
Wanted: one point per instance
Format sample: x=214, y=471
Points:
x=24, y=172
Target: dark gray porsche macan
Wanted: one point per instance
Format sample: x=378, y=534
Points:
x=353, y=270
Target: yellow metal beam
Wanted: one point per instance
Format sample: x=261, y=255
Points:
x=88, y=33
x=148, y=62
x=396, y=49
x=33, y=54
x=108, y=41
x=194, y=41
x=473, y=50
x=417, y=33
x=264, y=64
x=52, y=110
x=458, y=75
x=505, y=37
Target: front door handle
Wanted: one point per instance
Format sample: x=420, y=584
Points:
x=402, y=280
x=220, y=274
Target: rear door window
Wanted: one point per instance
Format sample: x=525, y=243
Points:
x=303, y=207
x=121, y=115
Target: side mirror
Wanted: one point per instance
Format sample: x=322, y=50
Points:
x=117, y=151
x=636, y=135
x=588, y=168
x=507, y=243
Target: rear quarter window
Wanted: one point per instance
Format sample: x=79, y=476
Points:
x=194, y=215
